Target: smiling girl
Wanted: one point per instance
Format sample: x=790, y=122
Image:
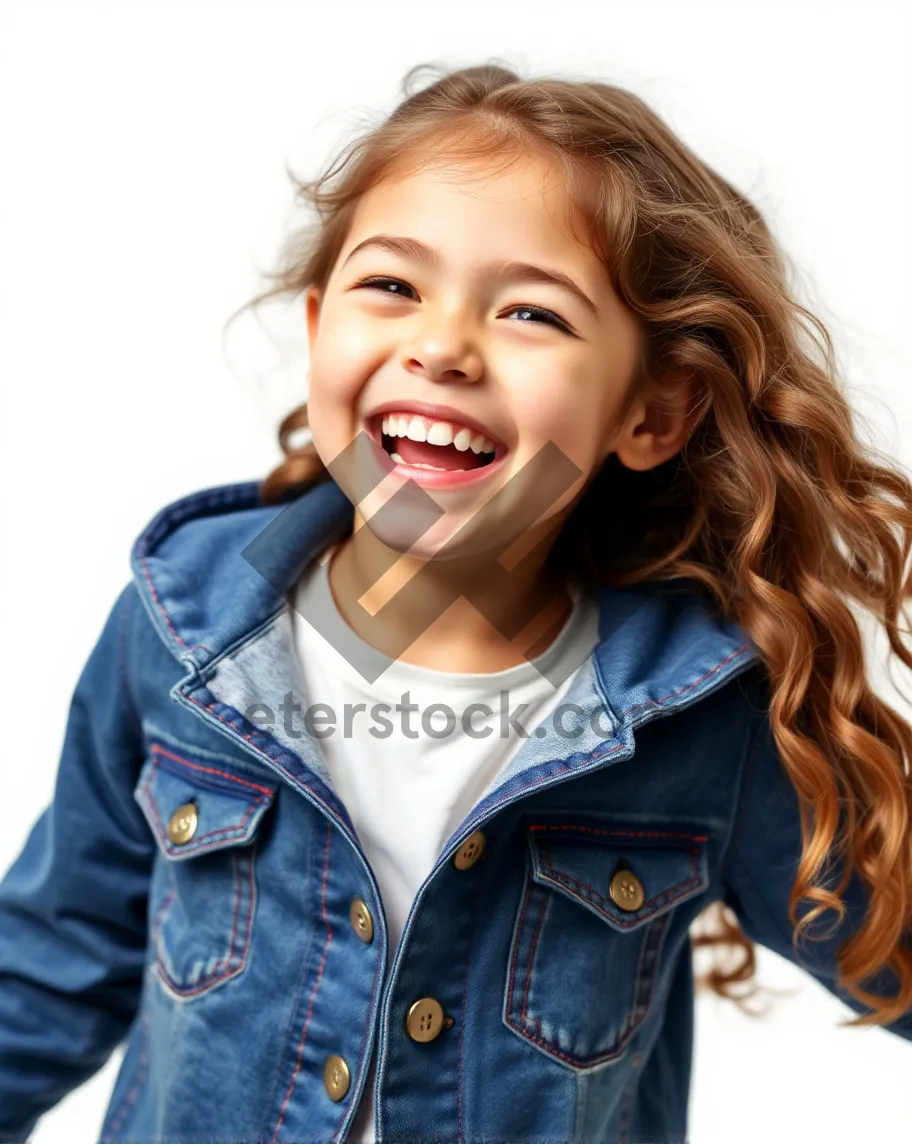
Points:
x=416, y=340
x=570, y=440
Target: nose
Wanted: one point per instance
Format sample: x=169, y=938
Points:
x=443, y=350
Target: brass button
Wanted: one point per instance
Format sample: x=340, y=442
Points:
x=627, y=890
x=182, y=825
x=424, y=1020
x=470, y=851
x=360, y=917
x=336, y=1077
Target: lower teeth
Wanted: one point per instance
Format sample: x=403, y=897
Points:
x=421, y=465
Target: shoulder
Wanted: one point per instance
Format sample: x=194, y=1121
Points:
x=190, y=519
x=213, y=564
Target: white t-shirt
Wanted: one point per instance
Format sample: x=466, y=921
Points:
x=408, y=791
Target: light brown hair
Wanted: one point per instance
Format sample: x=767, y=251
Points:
x=774, y=508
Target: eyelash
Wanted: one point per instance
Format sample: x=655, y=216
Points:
x=377, y=280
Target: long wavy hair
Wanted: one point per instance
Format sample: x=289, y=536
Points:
x=774, y=509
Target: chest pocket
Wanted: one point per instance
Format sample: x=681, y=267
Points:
x=598, y=902
x=205, y=816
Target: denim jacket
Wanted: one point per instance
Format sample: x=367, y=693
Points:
x=196, y=887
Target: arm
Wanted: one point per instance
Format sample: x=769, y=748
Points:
x=73, y=903
x=759, y=870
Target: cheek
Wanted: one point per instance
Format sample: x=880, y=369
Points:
x=329, y=405
x=341, y=361
x=567, y=421
x=332, y=403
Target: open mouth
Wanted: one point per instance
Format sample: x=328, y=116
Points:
x=436, y=457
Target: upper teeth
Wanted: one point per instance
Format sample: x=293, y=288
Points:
x=436, y=433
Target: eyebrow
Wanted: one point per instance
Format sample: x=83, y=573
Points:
x=507, y=271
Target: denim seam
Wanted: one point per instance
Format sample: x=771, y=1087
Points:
x=460, y=1037
x=187, y=507
x=530, y=965
x=625, y=1113
x=654, y=931
x=687, y=687
x=234, y=919
x=361, y=1048
x=314, y=991
x=211, y=979
x=597, y=898
x=171, y=628
x=147, y=798
x=306, y=881
x=249, y=738
x=177, y=513
x=157, y=748
x=608, y=746
x=155, y=733
x=127, y=1103
x=514, y=946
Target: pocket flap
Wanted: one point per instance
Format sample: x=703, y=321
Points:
x=227, y=803
x=581, y=859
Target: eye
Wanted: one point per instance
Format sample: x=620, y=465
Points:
x=538, y=314
x=376, y=283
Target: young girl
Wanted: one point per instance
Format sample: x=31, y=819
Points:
x=396, y=782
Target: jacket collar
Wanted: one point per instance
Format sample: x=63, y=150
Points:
x=214, y=566
x=214, y=571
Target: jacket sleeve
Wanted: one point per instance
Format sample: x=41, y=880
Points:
x=760, y=868
x=73, y=903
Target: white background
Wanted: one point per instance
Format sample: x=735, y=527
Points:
x=143, y=191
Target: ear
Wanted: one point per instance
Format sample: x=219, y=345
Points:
x=312, y=300
x=659, y=423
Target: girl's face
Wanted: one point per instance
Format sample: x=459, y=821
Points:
x=458, y=321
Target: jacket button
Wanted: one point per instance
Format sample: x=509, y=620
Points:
x=627, y=890
x=470, y=851
x=425, y=1019
x=362, y=922
x=336, y=1077
x=182, y=825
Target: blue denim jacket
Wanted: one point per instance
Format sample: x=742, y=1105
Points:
x=197, y=887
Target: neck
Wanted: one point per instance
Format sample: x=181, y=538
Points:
x=468, y=614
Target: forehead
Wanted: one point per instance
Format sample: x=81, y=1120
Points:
x=515, y=209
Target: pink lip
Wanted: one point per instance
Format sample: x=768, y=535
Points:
x=437, y=478
x=436, y=413
x=432, y=478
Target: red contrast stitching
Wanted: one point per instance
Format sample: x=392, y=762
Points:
x=158, y=822
x=552, y=826
x=511, y=981
x=158, y=604
x=595, y=897
x=655, y=931
x=695, y=683
x=313, y=995
x=625, y=1108
x=127, y=1102
x=211, y=770
x=531, y=962
x=460, y=1055
x=226, y=961
x=647, y=961
x=212, y=978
